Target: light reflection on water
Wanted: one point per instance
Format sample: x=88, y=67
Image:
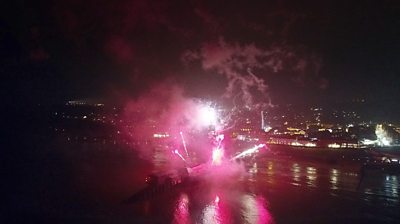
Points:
x=216, y=212
x=252, y=210
x=311, y=176
x=334, y=178
x=181, y=212
x=238, y=204
x=382, y=189
x=270, y=172
x=374, y=185
x=391, y=186
x=296, y=172
x=221, y=209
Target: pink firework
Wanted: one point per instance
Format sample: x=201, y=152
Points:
x=184, y=144
x=217, y=156
x=249, y=151
x=207, y=115
x=218, y=152
x=216, y=200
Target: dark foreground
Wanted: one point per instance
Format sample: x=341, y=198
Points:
x=88, y=184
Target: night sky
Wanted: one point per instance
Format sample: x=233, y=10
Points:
x=313, y=51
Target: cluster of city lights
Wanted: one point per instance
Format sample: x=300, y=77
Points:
x=158, y=135
x=382, y=137
x=308, y=144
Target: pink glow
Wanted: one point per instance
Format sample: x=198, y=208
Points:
x=220, y=138
x=217, y=156
x=181, y=213
x=216, y=212
x=216, y=199
x=207, y=115
x=264, y=216
x=218, y=152
x=165, y=109
x=255, y=210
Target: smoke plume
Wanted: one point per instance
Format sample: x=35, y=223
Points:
x=158, y=117
x=245, y=66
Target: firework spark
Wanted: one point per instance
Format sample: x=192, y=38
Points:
x=218, y=152
x=217, y=156
x=177, y=153
x=184, y=144
x=207, y=115
x=249, y=151
x=216, y=200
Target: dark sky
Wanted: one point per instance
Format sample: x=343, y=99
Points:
x=51, y=51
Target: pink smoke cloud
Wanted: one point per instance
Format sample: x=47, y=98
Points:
x=165, y=110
